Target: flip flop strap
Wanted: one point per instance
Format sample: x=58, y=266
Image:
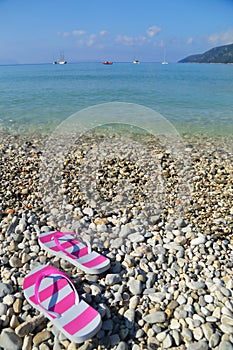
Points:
x=51, y=272
x=61, y=234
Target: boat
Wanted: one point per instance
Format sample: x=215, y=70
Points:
x=107, y=62
x=136, y=61
x=62, y=59
x=164, y=60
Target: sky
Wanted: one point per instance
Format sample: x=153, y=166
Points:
x=37, y=31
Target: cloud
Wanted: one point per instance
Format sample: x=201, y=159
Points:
x=104, y=37
x=153, y=31
x=103, y=32
x=91, y=40
x=125, y=40
x=64, y=34
x=79, y=32
x=221, y=38
x=76, y=32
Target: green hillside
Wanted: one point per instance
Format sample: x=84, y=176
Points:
x=220, y=54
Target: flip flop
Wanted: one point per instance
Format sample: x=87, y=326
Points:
x=52, y=292
x=66, y=245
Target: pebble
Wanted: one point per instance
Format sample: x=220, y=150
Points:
x=9, y=340
x=199, y=240
x=112, y=279
x=27, y=342
x=187, y=334
x=122, y=346
x=227, y=320
x=225, y=345
x=198, y=333
x=136, y=237
x=5, y=289
x=129, y=316
x=196, y=285
x=29, y=326
x=214, y=340
x=9, y=299
x=135, y=286
x=3, y=308
x=167, y=342
x=201, y=345
x=114, y=339
x=170, y=282
x=155, y=317
x=134, y=301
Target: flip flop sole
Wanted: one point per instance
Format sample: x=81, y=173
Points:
x=74, y=252
x=78, y=321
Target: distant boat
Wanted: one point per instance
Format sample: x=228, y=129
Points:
x=136, y=61
x=164, y=60
x=62, y=59
x=107, y=62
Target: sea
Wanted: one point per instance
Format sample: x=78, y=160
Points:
x=194, y=98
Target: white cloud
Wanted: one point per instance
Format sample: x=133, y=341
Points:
x=103, y=32
x=125, y=40
x=221, y=38
x=78, y=32
x=91, y=40
x=104, y=37
x=153, y=31
x=63, y=34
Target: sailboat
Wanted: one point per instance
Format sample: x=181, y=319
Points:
x=164, y=60
x=136, y=61
x=62, y=59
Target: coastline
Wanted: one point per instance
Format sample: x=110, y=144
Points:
x=174, y=274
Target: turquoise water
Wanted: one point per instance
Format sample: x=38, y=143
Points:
x=192, y=97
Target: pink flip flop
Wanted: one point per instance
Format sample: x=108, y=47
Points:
x=65, y=245
x=52, y=292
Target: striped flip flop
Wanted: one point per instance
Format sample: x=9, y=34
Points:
x=52, y=292
x=66, y=245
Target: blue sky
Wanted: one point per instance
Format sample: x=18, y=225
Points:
x=36, y=31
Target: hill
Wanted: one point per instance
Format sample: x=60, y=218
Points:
x=220, y=54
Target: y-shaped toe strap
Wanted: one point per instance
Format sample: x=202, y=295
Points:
x=58, y=235
x=52, y=273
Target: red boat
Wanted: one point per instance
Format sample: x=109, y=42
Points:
x=107, y=62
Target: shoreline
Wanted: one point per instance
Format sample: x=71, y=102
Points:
x=174, y=275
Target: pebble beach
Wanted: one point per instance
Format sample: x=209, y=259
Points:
x=170, y=284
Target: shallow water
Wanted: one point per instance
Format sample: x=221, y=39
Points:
x=193, y=97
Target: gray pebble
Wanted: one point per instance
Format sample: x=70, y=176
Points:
x=167, y=342
x=135, y=286
x=155, y=317
x=5, y=289
x=225, y=345
x=214, y=340
x=196, y=285
x=112, y=278
x=9, y=340
x=122, y=346
x=3, y=309
x=201, y=345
